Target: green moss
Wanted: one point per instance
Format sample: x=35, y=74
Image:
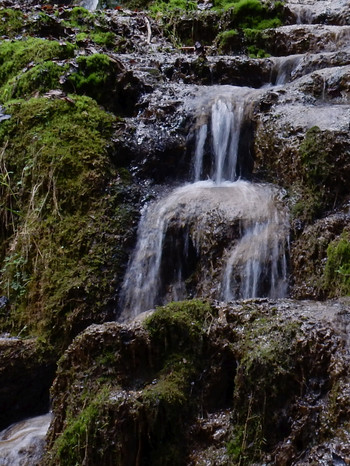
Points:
x=307, y=203
x=314, y=157
x=160, y=6
x=104, y=38
x=15, y=56
x=150, y=401
x=11, y=22
x=39, y=79
x=179, y=329
x=70, y=446
x=180, y=324
x=80, y=17
x=61, y=254
x=318, y=173
x=245, y=24
x=248, y=13
x=96, y=76
x=337, y=270
x=254, y=52
x=228, y=41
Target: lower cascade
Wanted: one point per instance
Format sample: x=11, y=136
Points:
x=224, y=238
x=23, y=443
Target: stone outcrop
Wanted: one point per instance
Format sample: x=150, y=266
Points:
x=254, y=382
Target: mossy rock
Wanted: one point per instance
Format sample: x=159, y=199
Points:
x=143, y=398
x=140, y=392
x=38, y=79
x=337, y=269
x=16, y=55
x=96, y=77
x=67, y=216
x=228, y=41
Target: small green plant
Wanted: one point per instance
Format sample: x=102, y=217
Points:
x=162, y=7
x=337, y=270
x=14, y=267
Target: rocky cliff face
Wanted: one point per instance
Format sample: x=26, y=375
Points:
x=99, y=115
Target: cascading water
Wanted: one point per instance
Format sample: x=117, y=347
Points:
x=218, y=236
x=225, y=129
x=23, y=443
x=89, y=4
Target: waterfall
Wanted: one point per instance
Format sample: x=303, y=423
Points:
x=225, y=129
x=257, y=265
x=23, y=442
x=218, y=130
x=89, y=4
x=285, y=67
x=219, y=236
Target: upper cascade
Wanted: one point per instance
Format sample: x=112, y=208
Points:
x=225, y=131
x=218, y=131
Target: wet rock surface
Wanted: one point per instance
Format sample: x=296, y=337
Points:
x=244, y=380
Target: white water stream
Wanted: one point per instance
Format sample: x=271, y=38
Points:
x=225, y=236
x=22, y=444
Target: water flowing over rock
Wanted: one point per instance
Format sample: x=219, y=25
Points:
x=225, y=241
x=218, y=131
x=23, y=443
x=316, y=11
x=220, y=231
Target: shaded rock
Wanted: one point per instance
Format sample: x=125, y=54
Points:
x=294, y=39
x=155, y=148
x=305, y=146
x=309, y=255
x=295, y=66
x=26, y=375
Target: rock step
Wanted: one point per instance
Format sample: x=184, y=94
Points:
x=296, y=39
x=319, y=11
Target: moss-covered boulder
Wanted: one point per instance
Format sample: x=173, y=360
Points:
x=67, y=215
x=193, y=382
